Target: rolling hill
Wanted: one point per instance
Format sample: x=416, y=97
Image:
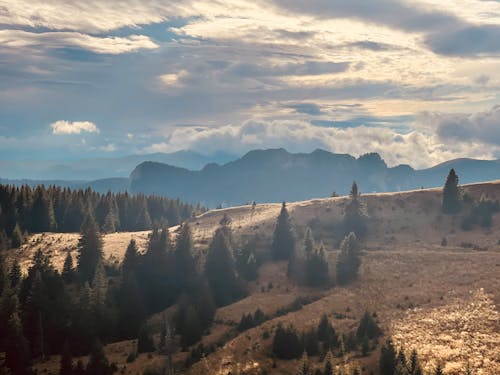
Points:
x=440, y=297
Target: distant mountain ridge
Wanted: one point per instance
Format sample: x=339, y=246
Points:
x=103, y=168
x=275, y=175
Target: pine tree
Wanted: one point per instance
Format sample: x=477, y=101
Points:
x=220, y=270
x=304, y=364
x=349, y=260
x=145, y=343
x=308, y=243
x=368, y=327
x=131, y=259
x=3, y=275
x=66, y=367
x=451, y=194
x=317, y=269
x=328, y=369
x=387, y=361
x=439, y=370
x=355, y=216
x=100, y=284
x=43, y=219
x=326, y=333
x=185, y=264
x=414, y=364
x=191, y=327
x=90, y=249
x=286, y=343
x=17, y=356
x=15, y=274
x=17, y=237
x=283, y=239
x=98, y=362
x=68, y=271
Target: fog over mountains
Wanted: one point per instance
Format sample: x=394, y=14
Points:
x=275, y=175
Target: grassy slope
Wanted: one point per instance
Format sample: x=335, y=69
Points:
x=417, y=287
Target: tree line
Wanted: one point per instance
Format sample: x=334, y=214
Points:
x=54, y=209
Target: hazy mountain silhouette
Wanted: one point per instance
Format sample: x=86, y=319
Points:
x=103, y=168
x=275, y=175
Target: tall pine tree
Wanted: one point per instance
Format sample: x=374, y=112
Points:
x=349, y=260
x=220, y=269
x=90, y=250
x=283, y=239
x=451, y=194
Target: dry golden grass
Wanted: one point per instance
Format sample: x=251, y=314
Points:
x=420, y=290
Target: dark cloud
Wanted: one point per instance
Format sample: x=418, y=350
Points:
x=307, y=108
x=446, y=34
x=467, y=40
x=392, y=13
x=481, y=126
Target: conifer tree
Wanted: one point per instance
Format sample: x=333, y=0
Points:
x=100, y=284
x=304, y=365
x=90, y=249
x=368, y=327
x=354, y=215
x=286, y=343
x=283, y=239
x=451, y=194
x=66, y=365
x=74, y=214
x=43, y=219
x=415, y=368
x=328, y=369
x=317, y=269
x=3, y=276
x=98, y=362
x=220, y=270
x=308, y=243
x=131, y=259
x=326, y=333
x=17, y=356
x=387, y=361
x=439, y=370
x=17, y=237
x=348, y=261
x=145, y=343
x=68, y=271
x=15, y=274
x=185, y=264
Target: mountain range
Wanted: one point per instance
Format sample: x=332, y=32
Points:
x=276, y=175
x=271, y=175
x=103, y=168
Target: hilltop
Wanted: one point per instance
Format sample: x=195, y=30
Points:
x=434, y=286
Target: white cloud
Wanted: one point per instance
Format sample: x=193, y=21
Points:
x=416, y=148
x=110, y=147
x=173, y=79
x=108, y=45
x=76, y=127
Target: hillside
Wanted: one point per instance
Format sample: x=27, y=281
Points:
x=275, y=174
x=442, y=300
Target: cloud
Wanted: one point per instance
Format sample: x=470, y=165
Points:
x=76, y=127
x=106, y=45
x=417, y=148
x=170, y=80
x=467, y=40
x=88, y=16
x=481, y=127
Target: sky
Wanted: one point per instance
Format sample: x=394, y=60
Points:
x=417, y=81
